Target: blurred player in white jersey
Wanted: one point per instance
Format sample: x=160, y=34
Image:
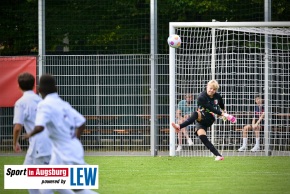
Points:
x=39, y=149
x=64, y=125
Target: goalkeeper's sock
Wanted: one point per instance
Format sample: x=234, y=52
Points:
x=190, y=120
x=209, y=145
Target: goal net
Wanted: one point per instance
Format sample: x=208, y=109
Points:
x=248, y=59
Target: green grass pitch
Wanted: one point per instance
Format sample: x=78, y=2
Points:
x=182, y=175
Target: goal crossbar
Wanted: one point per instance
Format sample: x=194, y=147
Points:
x=228, y=24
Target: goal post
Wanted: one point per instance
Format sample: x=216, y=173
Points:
x=247, y=59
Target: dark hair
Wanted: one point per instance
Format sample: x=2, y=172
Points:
x=26, y=81
x=47, y=84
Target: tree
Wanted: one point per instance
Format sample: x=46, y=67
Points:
x=115, y=26
x=18, y=26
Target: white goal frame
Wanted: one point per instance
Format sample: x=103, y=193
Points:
x=213, y=25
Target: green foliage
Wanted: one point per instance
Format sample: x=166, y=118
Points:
x=115, y=26
x=18, y=26
x=103, y=26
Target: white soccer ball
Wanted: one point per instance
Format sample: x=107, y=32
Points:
x=174, y=41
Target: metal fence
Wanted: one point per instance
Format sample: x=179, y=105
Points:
x=113, y=93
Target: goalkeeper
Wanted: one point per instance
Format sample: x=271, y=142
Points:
x=209, y=103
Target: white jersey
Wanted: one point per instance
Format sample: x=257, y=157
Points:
x=25, y=114
x=61, y=121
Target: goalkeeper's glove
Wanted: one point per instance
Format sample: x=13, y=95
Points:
x=230, y=118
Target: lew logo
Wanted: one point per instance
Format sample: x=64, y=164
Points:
x=83, y=176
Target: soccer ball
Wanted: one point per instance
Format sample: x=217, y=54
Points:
x=174, y=41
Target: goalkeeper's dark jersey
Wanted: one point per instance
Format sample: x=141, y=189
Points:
x=214, y=104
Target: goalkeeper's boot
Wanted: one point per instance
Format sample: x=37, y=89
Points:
x=255, y=148
x=217, y=158
x=179, y=148
x=189, y=141
x=242, y=149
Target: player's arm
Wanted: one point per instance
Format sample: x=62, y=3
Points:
x=223, y=108
x=262, y=116
x=225, y=115
x=254, y=123
x=80, y=122
x=222, y=105
x=16, y=134
x=43, y=115
x=18, y=121
x=36, y=130
x=202, y=101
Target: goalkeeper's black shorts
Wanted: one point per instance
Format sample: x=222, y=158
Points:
x=207, y=119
